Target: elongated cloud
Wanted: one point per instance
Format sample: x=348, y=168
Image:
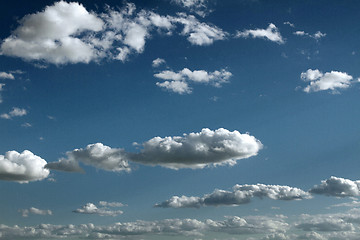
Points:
x=2, y=85
x=332, y=81
x=194, y=150
x=68, y=33
x=35, y=211
x=316, y=35
x=22, y=167
x=178, y=82
x=15, y=112
x=271, y=33
x=91, y=208
x=241, y=194
x=339, y=187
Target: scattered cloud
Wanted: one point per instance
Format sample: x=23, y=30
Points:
x=5, y=75
x=271, y=33
x=180, y=227
x=194, y=150
x=34, y=211
x=290, y=24
x=338, y=187
x=200, y=7
x=22, y=167
x=240, y=194
x=315, y=36
x=111, y=204
x=178, y=82
x=67, y=33
x=26, y=125
x=157, y=62
x=15, y=112
x=319, y=81
x=91, y=208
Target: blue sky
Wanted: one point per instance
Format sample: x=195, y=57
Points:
x=179, y=119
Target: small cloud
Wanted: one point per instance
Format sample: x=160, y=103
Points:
x=157, y=62
x=15, y=112
x=271, y=33
x=51, y=117
x=315, y=36
x=290, y=24
x=200, y=7
x=4, y=75
x=34, y=211
x=91, y=208
x=26, y=125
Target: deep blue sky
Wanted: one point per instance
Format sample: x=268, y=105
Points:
x=306, y=136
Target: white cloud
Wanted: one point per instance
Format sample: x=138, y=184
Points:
x=35, y=211
x=271, y=33
x=97, y=155
x=157, y=62
x=200, y=7
x=289, y=23
x=15, y=112
x=241, y=194
x=351, y=204
x=179, y=81
x=168, y=227
x=333, y=80
x=339, y=187
x=22, y=167
x=194, y=150
x=316, y=35
x=26, y=125
x=53, y=35
x=91, y=208
x=4, y=75
x=111, y=204
x=197, y=150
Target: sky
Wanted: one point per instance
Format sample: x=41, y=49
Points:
x=179, y=119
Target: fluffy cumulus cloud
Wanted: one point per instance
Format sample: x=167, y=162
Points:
x=194, y=150
x=200, y=7
x=22, y=167
x=240, y=194
x=15, y=112
x=35, y=211
x=96, y=155
x=168, y=227
x=271, y=33
x=66, y=32
x=178, y=82
x=319, y=81
x=91, y=208
x=339, y=187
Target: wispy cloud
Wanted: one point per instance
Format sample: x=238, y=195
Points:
x=34, y=211
x=91, y=208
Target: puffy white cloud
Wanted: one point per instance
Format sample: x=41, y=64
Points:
x=178, y=81
x=318, y=35
x=157, y=62
x=53, y=35
x=22, y=167
x=96, y=155
x=333, y=80
x=5, y=75
x=200, y=7
x=241, y=194
x=194, y=150
x=271, y=33
x=91, y=208
x=15, y=112
x=35, y=211
x=197, y=150
x=199, y=33
x=339, y=187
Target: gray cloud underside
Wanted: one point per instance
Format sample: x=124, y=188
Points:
x=67, y=33
x=241, y=194
x=338, y=187
x=194, y=150
x=91, y=208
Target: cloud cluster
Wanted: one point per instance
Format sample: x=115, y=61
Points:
x=91, y=208
x=178, y=82
x=319, y=81
x=338, y=187
x=194, y=150
x=241, y=194
x=271, y=33
x=68, y=33
x=200, y=7
x=183, y=227
x=35, y=211
x=22, y=167
x=15, y=112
